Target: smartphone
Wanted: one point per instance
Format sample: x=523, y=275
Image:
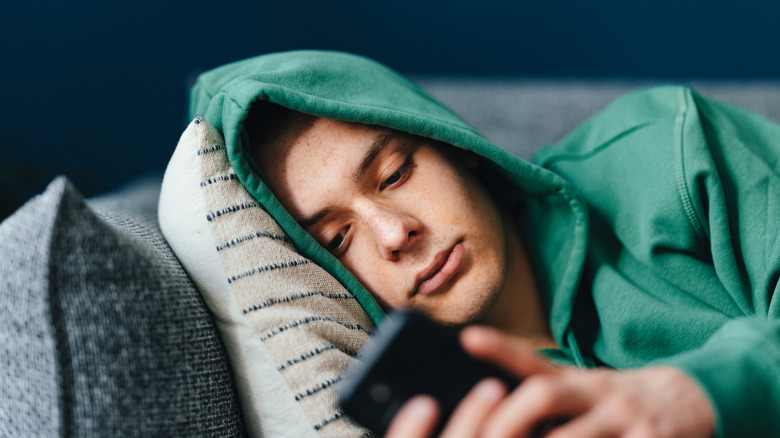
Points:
x=409, y=355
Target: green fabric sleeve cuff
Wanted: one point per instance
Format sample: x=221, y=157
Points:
x=739, y=369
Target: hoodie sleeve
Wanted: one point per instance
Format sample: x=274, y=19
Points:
x=739, y=368
x=684, y=198
x=732, y=184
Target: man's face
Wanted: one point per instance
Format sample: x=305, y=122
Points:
x=403, y=214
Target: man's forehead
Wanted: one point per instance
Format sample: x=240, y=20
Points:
x=304, y=166
x=328, y=135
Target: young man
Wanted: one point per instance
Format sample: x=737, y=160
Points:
x=647, y=238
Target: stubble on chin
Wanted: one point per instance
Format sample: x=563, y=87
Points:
x=468, y=309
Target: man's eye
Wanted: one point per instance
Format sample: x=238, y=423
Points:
x=397, y=175
x=335, y=244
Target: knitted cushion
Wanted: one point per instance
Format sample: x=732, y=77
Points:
x=101, y=331
x=290, y=328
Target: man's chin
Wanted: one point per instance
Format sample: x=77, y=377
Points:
x=456, y=317
x=459, y=305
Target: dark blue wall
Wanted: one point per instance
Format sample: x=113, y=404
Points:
x=98, y=89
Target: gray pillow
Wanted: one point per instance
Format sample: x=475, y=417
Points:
x=102, y=333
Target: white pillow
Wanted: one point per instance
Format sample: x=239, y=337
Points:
x=290, y=329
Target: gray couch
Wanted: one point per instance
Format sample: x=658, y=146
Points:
x=102, y=333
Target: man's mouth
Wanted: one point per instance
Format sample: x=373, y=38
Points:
x=443, y=267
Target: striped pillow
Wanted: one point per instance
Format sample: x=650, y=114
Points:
x=289, y=327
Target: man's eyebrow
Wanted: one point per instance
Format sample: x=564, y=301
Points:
x=313, y=219
x=380, y=141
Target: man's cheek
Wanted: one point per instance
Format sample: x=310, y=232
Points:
x=369, y=275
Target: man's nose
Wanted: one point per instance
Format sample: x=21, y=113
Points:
x=394, y=232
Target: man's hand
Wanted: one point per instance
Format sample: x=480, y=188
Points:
x=642, y=403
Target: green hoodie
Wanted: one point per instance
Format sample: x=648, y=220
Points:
x=653, y=229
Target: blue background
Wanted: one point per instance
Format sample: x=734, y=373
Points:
x=98, y=90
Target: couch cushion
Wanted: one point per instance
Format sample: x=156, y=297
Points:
x=102, y=333
x=290, y=328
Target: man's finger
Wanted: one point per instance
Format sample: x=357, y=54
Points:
x=538, y=402
x=591, y=425
x=470, y=415
x=416, y=419
x=508, y=352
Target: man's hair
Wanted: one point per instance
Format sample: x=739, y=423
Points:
x=268, y=121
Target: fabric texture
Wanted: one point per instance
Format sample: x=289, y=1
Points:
x=651, y=229
x=683, y=264
x=290, y=328
x=29, y=388
x=103, y=333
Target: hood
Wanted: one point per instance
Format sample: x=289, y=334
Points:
x=353, y=88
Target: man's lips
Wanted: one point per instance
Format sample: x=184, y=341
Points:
x=443, y=267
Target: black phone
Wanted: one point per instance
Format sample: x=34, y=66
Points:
x=409, y=355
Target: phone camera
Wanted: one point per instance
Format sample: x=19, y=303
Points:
x=380, y=393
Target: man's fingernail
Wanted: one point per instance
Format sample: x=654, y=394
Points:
x=421, y=406
x=475, y=335
x=490, y=389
